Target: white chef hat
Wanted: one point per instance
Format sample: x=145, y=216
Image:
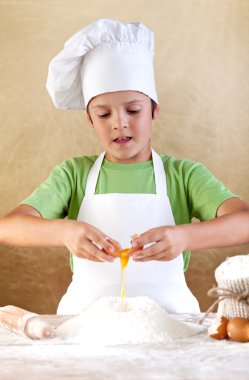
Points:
x=106, y=56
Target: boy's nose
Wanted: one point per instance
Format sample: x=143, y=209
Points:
x=120, y=122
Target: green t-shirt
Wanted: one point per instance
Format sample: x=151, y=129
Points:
x=192, y=190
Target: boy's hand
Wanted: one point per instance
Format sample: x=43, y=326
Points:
x=167, y=242
x=86, y=241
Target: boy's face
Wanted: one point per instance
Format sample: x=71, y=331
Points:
x=122, y=121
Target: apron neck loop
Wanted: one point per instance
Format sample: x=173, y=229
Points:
x=159, y=174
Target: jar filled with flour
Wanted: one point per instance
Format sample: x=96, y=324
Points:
x=232, y=277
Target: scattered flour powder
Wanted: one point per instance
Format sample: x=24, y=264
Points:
x=113, y=321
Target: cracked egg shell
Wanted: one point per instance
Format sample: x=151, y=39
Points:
x=218, y=328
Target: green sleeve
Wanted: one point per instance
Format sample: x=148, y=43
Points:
x=52, y=197
x=205, y=193
x=194, y=192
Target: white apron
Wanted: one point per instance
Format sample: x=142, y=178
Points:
x=120, y=216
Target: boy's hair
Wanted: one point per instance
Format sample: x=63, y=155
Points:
x=153, y=107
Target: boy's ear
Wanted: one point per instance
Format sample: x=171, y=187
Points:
x=88, y=119
x=156, y=112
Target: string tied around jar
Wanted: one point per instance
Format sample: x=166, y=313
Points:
x=221, y=294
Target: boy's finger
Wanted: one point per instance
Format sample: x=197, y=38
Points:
x=144, y=239
x=156, y=251
x=147, y=237
x=98, y=253
x=104, y=243
x=112, y=247
x=152, y=250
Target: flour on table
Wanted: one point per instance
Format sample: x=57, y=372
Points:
x=113, y=321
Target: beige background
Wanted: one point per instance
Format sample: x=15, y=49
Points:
x=202, y=72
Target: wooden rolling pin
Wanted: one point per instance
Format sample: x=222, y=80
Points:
x=24, y=322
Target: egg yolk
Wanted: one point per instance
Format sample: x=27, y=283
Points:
x=124, y=258
x=124, y=255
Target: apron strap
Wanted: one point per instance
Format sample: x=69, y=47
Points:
x=94, y=175
x=159, y=173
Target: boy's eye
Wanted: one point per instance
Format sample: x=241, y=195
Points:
x=103, y=115
x=133, y=111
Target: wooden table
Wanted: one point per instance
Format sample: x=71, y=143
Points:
x=198, y=357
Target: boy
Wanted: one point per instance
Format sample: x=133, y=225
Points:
x=129, y=194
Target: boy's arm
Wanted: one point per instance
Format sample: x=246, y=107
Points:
x=24, y=227
x=229, y=228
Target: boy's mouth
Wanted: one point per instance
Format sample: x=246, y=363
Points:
x=122, y=140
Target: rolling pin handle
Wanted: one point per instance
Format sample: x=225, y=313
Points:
x=24, y=322
x=37, y=328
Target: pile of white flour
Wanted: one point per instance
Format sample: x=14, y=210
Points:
x=113, y=321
